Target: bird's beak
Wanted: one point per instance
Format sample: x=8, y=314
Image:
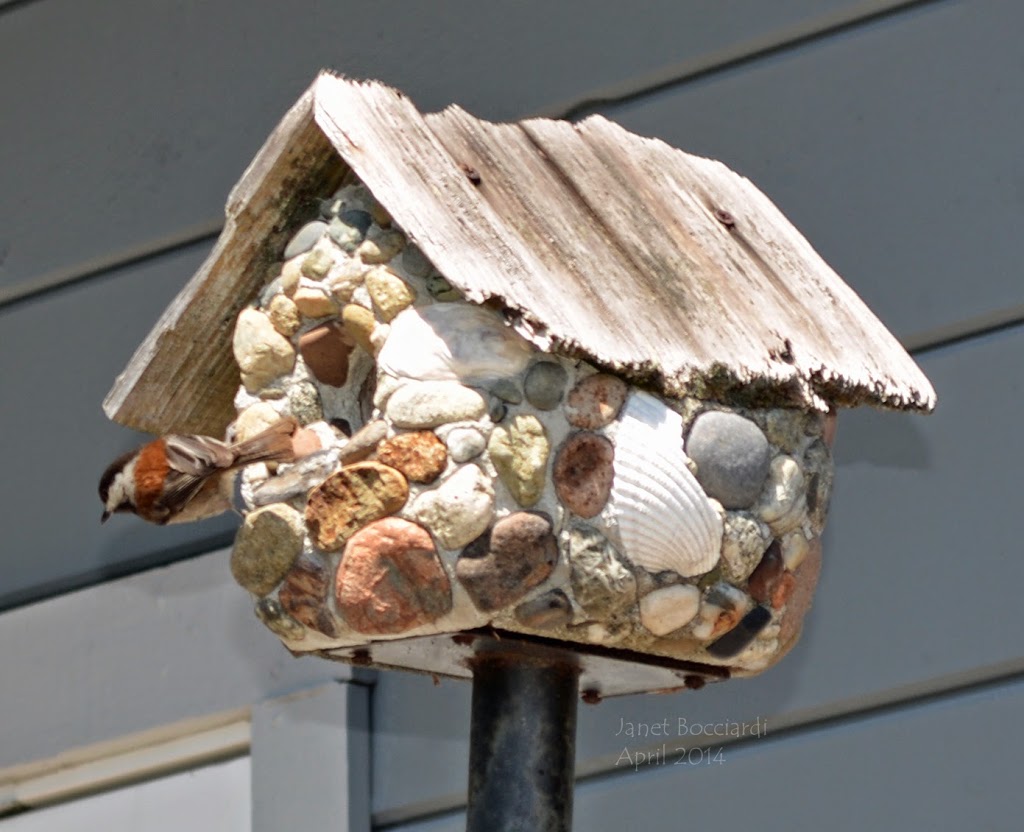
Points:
x=105, y=517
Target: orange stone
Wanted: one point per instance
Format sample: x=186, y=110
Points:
x=326, y=350
x=805, y=581
x=303, y=595
x=350, y=499
x=419, y=455
x=391, y=580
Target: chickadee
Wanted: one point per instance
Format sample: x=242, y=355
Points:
x=179, y=478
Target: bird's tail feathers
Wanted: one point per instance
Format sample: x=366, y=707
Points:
x=272, y=445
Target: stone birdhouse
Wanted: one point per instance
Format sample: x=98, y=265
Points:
x=556, y=382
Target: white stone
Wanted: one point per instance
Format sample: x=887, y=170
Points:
x=427, y=404
x=670, y=608
x=458, y=511
x=783, y=503
x=261, y=351
x=794, y=549
x=744, y=541
x=465, y=444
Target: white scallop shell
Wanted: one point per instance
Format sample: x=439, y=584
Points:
x=665, y=521
x=453, y=341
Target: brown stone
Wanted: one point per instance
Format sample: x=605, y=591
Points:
x=420, y=455
x=326, y=349
x=828, y=432
x=805, y=580
x=391, y=580
x=350, y=499
x=303, y=595
x=766, y=576
x=595, y=401
x=363, y=443
x=501, y=566
x=583, y=473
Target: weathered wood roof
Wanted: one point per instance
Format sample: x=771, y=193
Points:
x=664, y=267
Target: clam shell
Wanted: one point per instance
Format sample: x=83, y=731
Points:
x=453, y=341
x=665, y=521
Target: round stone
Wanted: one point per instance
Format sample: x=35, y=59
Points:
x=519, y=452
x=284, y=315
x=732, y=457
x=326, y=350
x=595, y=401
x=261, y=351
x=347, y=236
x=380, y=245
x=419, y=455
x=545, y=384
x=583, y=473
x=391, y=580
x=783, y=503
x=357, y=219
x=545, y=612
x=501, y=566
x=317, y=263
x=460, y=509
x=351, y=498
x=389, y=293
x=273, y=616
x=313, y=302
x=304, y=239
x=415, y=262
x=254, y=420
x=465, y=444
x=304, y=403
x=744, y=539
x=669, y=608
x=427, y=404
x=267, y=544
x=303, y=595
x=359, y=324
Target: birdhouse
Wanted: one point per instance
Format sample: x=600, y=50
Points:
x=557, y=384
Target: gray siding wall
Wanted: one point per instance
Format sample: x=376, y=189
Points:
x=888, y=131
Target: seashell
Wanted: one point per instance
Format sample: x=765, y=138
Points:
x=453, y=341
x=665, y=521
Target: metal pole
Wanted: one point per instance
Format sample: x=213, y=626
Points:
x=522, y=742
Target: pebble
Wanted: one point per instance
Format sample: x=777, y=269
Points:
x=721, y=609
x=359, y=324
x=519, y=453
x=357, y=219
x=732, y=457
x=544, y=385
x=384, y=386
x=305, y=239
x=345, y=278
x=427, y=404
x=767, y=584
x=465, y=444
x=503, y=565
x=415, y=262
x=364, y=441
x=270, y=612
x=261, y=351
x=314, y=302
x=284, y=315
x=306, y=474
x=583, y=473
x=318, y=262
x=739, y=637
x=268, y=543
x=669, y=608
x=253, y=420
x=380, y=245
x=507, y=390
x=303, y=595
x=440, y=289
x=391, y=579
x=326, y=350
x=304, y=403
x=305, y=442
x=783, y=504
x=795, y=547
x=389, y=293
x=595, y=401
x=291, y=274
x=744, y=540
x=545, y=612
x=787, y=428
x=344, y=235
x=419, y=455
x=460, y=509
x=351, y=498
x=601, y=582
x=806, y=580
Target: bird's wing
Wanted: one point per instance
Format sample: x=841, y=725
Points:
x=197, y=456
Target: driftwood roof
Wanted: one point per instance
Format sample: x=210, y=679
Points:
x=661, y=266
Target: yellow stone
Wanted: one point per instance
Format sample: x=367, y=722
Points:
x=389, y=293
x=284, y=315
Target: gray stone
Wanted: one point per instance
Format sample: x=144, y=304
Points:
x=427, y=404
x=440, y=289
x=304, y=403
x=305, y=238
x=670, y=608
x=346, y=236
x=415, y=262
x=359, y=220
x=268, y=543
x=601, y=582
x=744, y=540
x=465, y=444
x=507, y=390
x=545, y=383
x=732, y=457
x=820, y=471
x=545, y=612
x=273, y=616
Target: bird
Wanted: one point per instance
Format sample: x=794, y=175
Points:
x=179, y=478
